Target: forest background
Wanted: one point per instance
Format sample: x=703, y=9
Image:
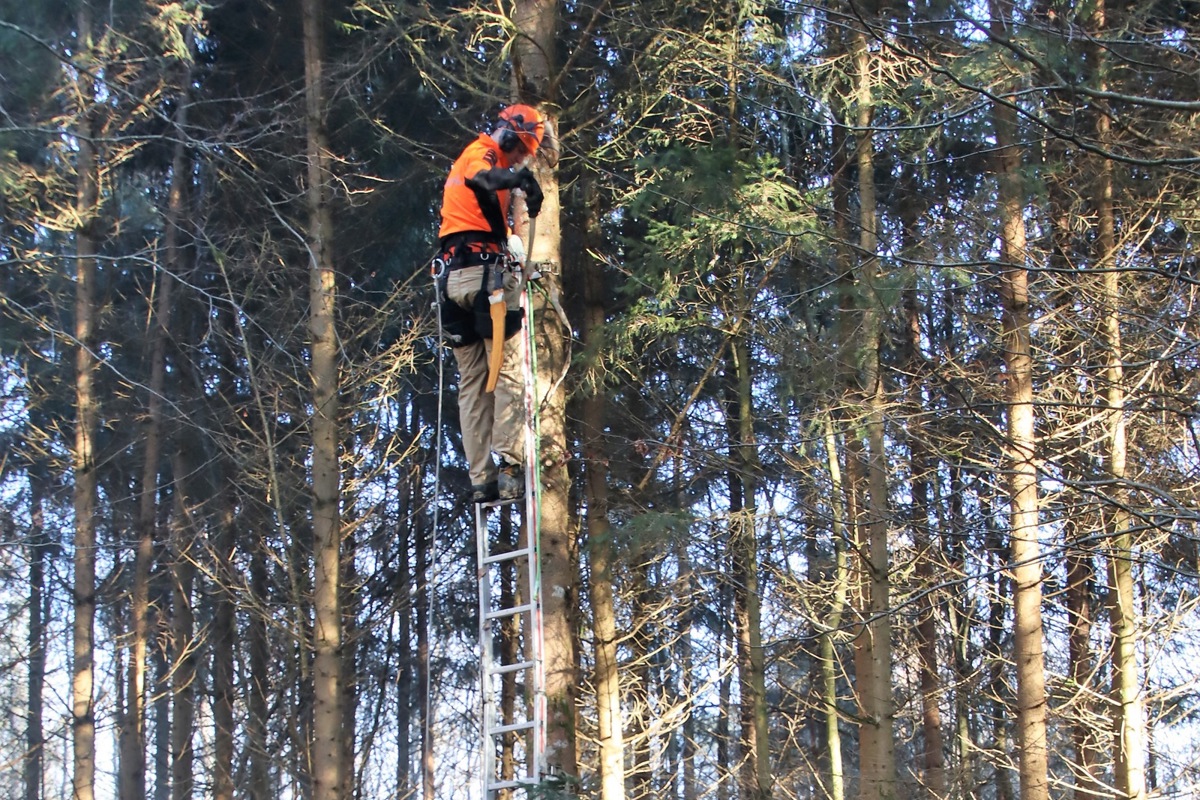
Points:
x=869, y=446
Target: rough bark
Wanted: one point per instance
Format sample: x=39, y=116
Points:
x=1020, y=464
x=184, y=656
x=83, y=713
x=223, y=637
x=600, y=553
x=755, y=776
x=829, y=666
x=327, y=744
x=424, y=569
x=534, y=59
x=133, y=750
x=38, y=550
x=1128, y=702
x=929, y=574
x=873, y=649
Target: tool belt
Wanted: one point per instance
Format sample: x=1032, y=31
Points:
x=464, y=326
x=471, y=249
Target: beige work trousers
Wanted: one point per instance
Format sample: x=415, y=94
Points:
x=490, y=422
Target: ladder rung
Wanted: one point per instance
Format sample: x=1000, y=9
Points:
x=509, y=612
x=516, y=726
x=498, y=503
x=506, y=668
x=507, y=556
x=497, y=785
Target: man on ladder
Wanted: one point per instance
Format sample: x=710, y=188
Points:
x=480, y=283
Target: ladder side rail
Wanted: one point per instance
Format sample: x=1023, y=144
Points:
x=536, y=692
x=487, y=692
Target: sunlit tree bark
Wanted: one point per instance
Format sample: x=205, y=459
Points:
x=873, y=647
x=1128, y=702
x=83, y=711
x=327, y=744
x=534, y=61
x=1020, y=452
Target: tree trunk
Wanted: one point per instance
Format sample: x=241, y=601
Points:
x=1127, y=700
x=39, y=545
x=600, y=551
x=833, y=621
x=1020, y=454
x=755, y=775
x=133, y=750
x=1000, y=693
x=327, y=741
x=259, y=681
x=873, y=646
x=184, y=662
x=406, y=526
x=961, y=628
x=223, y=638
x=425, y=571
x=162, y=704
x=83, y=712
x=535, y=23
x=928, y=568
x=1078, y=513
x=687, y=678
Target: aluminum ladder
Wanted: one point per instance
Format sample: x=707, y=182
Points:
x=510, y=619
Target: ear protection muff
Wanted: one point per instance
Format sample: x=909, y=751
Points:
x=508, y=137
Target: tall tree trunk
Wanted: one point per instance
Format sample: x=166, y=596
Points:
x=349, y=603
x=639, y=725
x=724, y=726
x=39, y=545
x=756, y=777
x=1001, y=694
x=1077, y=514
x=83, y=712
x=185, y=531
x=1020, y=463
x=1080, y=581
x=133, y=741
x=327, y=741
x=403, y=626
x=162, y=704
x=224, y=635
x=873, y=662
x=836, y=780
x=928, y=571
x=534, y=58
x=962, y=616
x=687, y=678
x=1127, y=700
x=844, y=500
x=425, y=572
x=600, y=547
x=259, y=681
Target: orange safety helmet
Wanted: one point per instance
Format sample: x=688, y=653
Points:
x=521, y=123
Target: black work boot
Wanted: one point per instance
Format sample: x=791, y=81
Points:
x=484, y=493
x=511, y=482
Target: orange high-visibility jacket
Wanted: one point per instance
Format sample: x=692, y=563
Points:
x=462, y=207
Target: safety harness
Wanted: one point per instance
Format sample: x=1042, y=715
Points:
x=464, y=326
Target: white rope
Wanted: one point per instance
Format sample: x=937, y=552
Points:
x=430, y=595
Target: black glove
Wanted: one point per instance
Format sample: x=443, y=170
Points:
x=533, y=192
